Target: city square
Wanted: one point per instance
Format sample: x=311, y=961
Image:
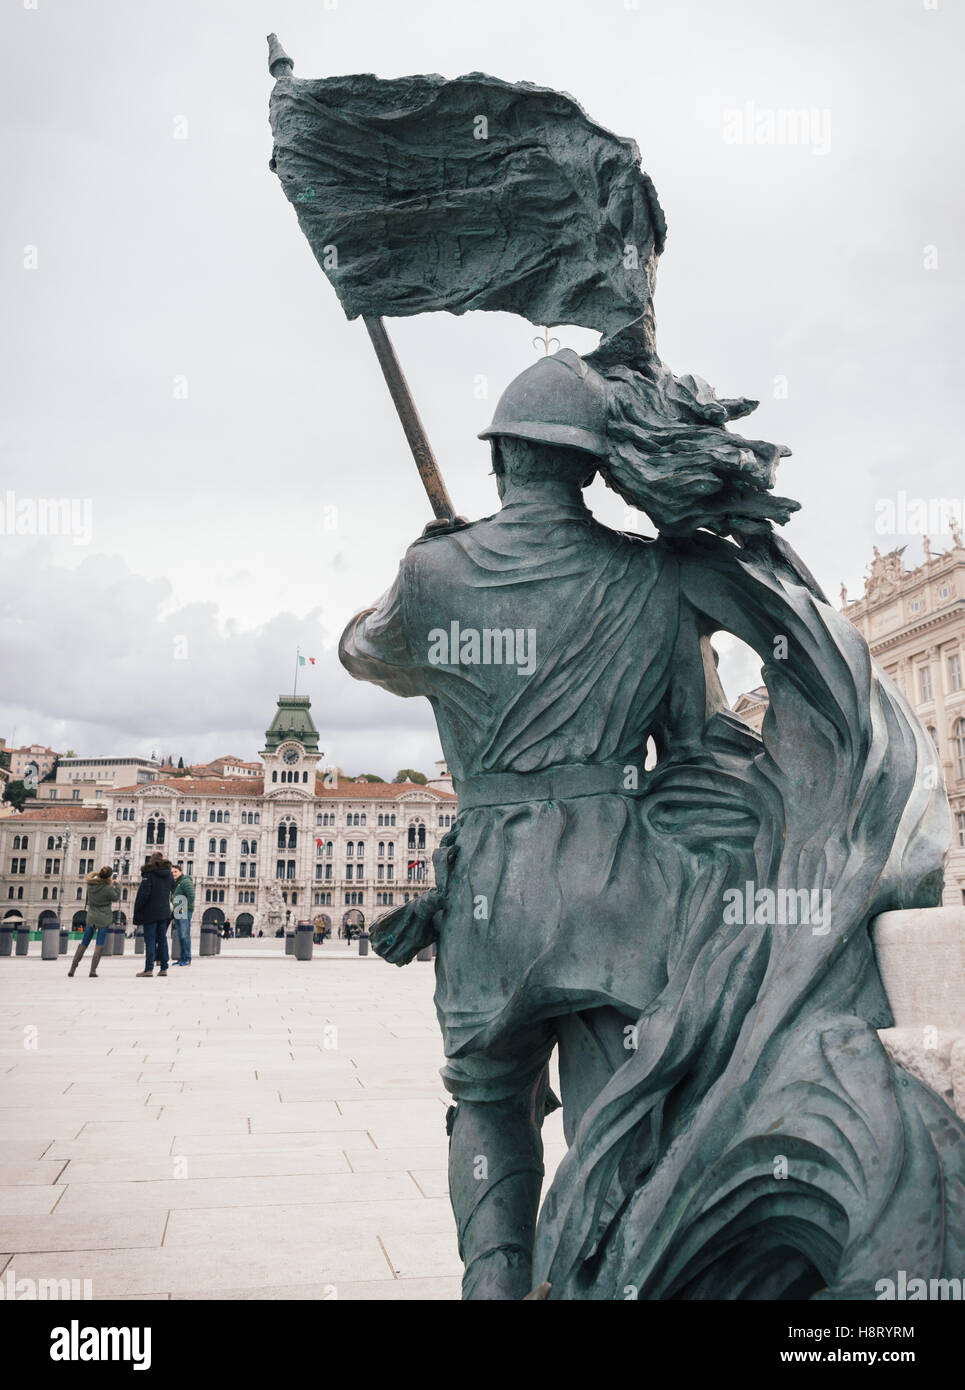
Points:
x=253, y=1127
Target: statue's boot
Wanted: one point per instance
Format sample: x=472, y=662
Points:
x=495, y=1177
x=77, y=955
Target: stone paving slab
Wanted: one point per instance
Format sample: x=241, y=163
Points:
x=251, y=1128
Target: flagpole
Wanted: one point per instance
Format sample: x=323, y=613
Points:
x=281, y=66
x=298, y=652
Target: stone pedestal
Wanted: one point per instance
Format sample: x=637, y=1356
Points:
x=921, y=956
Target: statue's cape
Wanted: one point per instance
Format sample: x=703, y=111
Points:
x=759, y=1142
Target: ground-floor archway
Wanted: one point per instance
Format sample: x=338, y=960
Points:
x=244, y=923
x=48, y=915
x=213, y=915
x=352, y=923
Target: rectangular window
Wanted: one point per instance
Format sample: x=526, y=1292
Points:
x=924, y=682
x=242, y=872
x=390, y=872
x=960, y=818
x=221, y=869
x=328, y=871
x=955, y=672
x=348, y=872
x=211, y=868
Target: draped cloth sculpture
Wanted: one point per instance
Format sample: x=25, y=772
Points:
x=693, y=937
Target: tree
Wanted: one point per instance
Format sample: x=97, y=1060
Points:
x=408, y=774
x=180, y=762
x=16, y=794
x=369, y=777
x=70, y=753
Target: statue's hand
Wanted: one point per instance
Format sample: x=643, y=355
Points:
x=442, y=524
x=398, y=936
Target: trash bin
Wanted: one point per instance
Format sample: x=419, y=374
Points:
x=208, y=933
x=304, y=937
x=23, y=939
x=289, y=941
x=117, y=941
x=175, y=942
x=50, y=940
x=218, y=938
x=139, y=941
x=64, y=939
x=363, y=943
x=7, y=930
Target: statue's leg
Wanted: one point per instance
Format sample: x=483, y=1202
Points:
x=496, y=1173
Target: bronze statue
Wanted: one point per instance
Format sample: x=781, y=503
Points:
x=692, y=937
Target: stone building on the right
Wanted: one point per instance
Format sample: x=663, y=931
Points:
x=914, y=622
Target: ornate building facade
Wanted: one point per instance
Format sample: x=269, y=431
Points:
x=300, y=841
x=914, y=622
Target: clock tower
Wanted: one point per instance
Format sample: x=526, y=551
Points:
x=291, y=752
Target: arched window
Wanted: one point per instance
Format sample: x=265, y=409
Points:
x=211, y=846
x=50, y=841
x=127, y=842
x=160, y=830
x=350, y=849
x=211, y=817
x=304, y=776
x=219, y=818
x=244, y=846
x=381, y=849
x=180, y=844
x=959, y=737
x=117, y=843
x=274, y=775
x=190, y=846
x=223, y=847
x=227, y=817
x=359, y=849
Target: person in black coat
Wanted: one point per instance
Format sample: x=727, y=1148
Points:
x=152, y=911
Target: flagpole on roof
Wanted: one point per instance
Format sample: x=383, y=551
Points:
x=281, y=66
x=298, y=653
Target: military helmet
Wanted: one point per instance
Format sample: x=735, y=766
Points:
x=559, y=400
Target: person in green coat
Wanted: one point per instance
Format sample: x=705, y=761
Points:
x=102, y=893
x=183, y=903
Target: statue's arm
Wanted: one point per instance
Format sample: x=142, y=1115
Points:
x=374, y=646
x=693, y=690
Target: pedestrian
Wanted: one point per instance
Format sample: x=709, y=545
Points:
x=152, y=911
x=101, y=892
x=183, y=903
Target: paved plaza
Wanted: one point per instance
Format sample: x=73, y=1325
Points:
x=251, y=1127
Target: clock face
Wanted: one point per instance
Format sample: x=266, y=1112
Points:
x=290, y=756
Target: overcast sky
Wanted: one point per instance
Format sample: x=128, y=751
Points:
x=277, y=498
